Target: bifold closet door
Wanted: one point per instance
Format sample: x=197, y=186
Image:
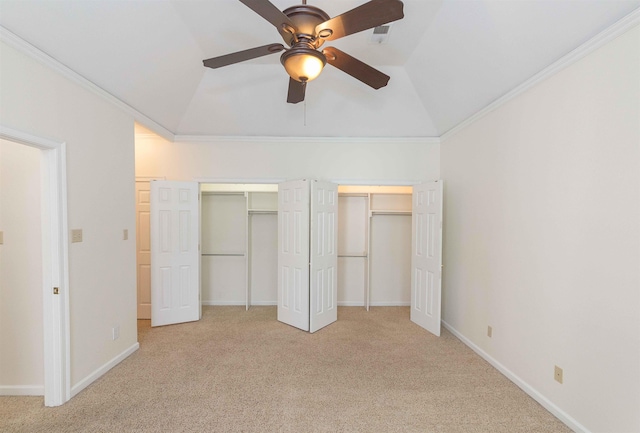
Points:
x=175, y=271
x=324, y=255
x=426, y=260
x=293, y=253
x=307, y=254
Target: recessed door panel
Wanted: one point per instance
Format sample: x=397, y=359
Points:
x=293, y=253
x=426, y=260
x=324, y=257
x=175, y=271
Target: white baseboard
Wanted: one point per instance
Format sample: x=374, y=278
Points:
x=340, y=303
x=102, y=370
x=390, y=304
x=350, y=304
x=374, y=304
x=533, y=393
x=22, y=390
x=224, y=303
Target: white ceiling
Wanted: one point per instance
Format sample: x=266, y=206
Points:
x=447, y=60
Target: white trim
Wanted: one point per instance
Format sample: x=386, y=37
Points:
x=22, y=390
x=224, y=303
x=530, y=390
x=56, y=337
x=340, y=303
x=315, y=140
x=367, y=182
x=390, y=304
x=607, y=35
x=263, y=304
x=241, y=181
x=102, y=370
x=35, y=53
x=351, y=304
x=149, y=178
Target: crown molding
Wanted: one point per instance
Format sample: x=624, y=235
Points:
x=612, y=32
x=215, y=139
x=618, y=28
x=15, y=41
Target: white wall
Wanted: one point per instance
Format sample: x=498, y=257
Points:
x=100, y=177
x=542, y=236
x=21, y=331
x=348, y=159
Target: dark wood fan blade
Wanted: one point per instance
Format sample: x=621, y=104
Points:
x=372, y=14
x=241, y=56
x=269, y=12
x=354, y=67
x=296, y=91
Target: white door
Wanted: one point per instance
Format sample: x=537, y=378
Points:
x=293, y=253
x=143, y=248
x=426, y=256
x=324, y=255
x=175, y=271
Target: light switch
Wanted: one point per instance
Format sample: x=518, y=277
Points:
x=125, y=234
x=1, y=238
x=76, y=235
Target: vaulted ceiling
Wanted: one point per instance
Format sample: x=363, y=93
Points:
x=447, y=60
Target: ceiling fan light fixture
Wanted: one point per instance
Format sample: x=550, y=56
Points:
x=303, y=64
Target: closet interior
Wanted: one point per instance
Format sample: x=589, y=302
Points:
x=239, y=244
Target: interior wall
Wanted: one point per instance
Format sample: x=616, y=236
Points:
x=542, y=238
x=100, y=179
x=21, y=327
x=260, y=159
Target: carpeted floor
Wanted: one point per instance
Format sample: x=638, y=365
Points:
x=237, y=371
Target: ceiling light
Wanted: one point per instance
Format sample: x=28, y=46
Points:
x=303, y=63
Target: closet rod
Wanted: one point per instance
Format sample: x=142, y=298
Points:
x=223, y=255
x=263, y=211
x=222, y=193
x=354, y=255
x=401, y=213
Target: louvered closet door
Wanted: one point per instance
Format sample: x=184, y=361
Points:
x=293, y=253
x=175, y=270
x=426, y=259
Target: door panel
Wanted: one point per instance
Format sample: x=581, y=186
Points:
x=293, y=253
x=324, y=255
x=175, y=272
x=143, y=247
x=426, y=256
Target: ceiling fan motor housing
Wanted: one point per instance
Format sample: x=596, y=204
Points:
x=305, y=18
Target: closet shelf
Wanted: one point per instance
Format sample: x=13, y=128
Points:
x=389, y=212
x=266, y=211
x=362, y=256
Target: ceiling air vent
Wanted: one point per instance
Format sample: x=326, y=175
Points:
x=380, y=34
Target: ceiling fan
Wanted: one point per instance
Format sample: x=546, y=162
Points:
x=304, y=29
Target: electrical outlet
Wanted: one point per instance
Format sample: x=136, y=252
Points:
x=115, y=333
x=489, y=331
x=125, y=234
x=76, y=235
x=557, y=374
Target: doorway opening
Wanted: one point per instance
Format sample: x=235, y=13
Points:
x=54, y=263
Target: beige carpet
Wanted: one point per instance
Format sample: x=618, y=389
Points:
x=237, y=371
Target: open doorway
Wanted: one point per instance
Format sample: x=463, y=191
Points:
x=48, y=370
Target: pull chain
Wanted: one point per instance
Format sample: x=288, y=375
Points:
x=305, y=113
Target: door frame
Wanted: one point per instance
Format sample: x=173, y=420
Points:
x=55, y=261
